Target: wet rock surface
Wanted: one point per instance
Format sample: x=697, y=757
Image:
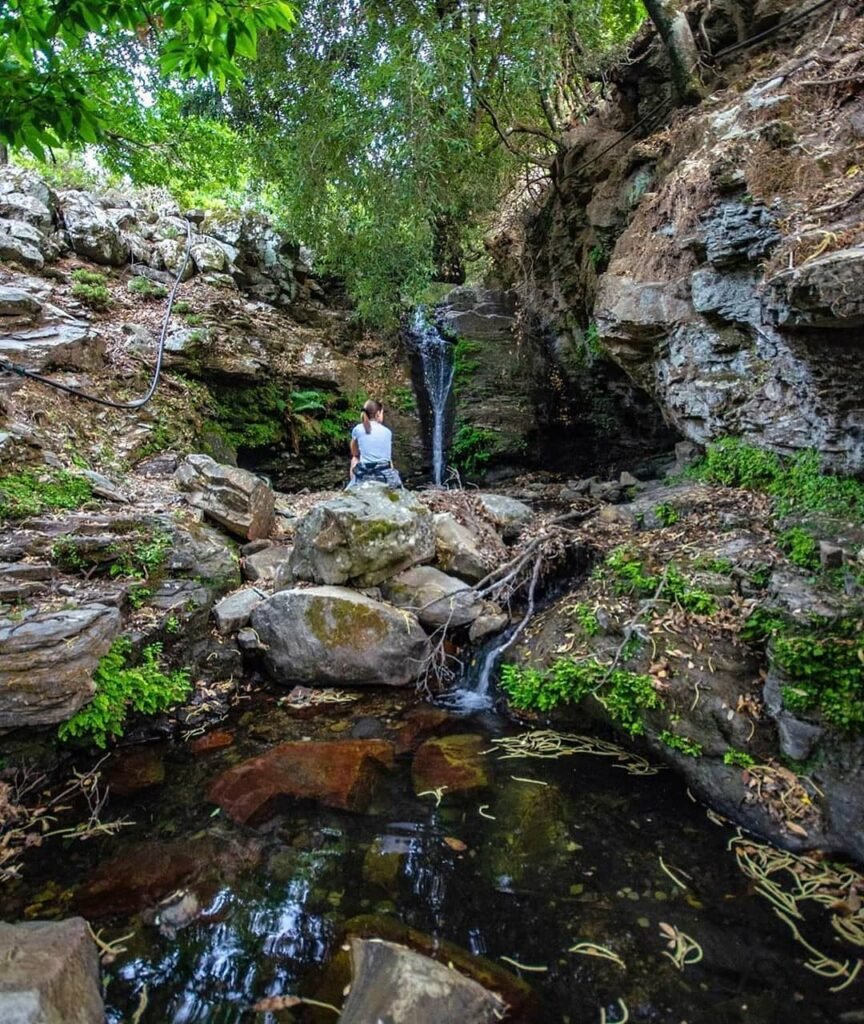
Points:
x=341, y=774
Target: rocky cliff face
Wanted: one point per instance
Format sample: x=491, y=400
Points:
x=263, y=364
x=717, y=253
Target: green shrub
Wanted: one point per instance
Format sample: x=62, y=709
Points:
x=586, y=616
x=182, y=307
x=630, y=576
x=472, y=448
x=797, y=484
x=119, y=687
x=680, y=743
x=31, y=492
x=194, y=319
x=310, y=401
x=624, y=695
x=738, y=758
x=464, y=363
x=144, y=288
x=89, y=287
x=403, y=399
x=142, y=554
x=666, y=514
x=802, y=549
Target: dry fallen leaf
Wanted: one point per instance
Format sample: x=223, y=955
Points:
x=455, y=844
x=272, y=1003
x=796, y=829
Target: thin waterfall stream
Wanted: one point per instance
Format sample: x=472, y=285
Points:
x=436, y=355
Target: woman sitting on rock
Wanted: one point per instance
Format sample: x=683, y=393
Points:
x=371, y=449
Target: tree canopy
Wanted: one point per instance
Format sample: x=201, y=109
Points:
x=383, y=133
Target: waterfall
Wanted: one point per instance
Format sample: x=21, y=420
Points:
x=436, y=355
x=474, y=692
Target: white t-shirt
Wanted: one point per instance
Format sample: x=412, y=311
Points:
x=376, y=446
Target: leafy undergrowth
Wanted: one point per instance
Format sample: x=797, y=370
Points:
x=32, y=492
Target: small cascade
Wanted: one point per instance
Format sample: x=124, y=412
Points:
x=474, y=692
x=436, y=355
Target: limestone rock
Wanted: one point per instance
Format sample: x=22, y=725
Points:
x=30, y=209
x=239, y=501
x=54, y=344
x=337, y=636
x=234, y=611
x=50, y=973
x=338, y=773
x=393, y=983
x=827, y=292
x=458, y=551
x=736, y=232
x=491, y=620
x=436, y=598
x=456, y=763
x=269, y=567
x=21, y=243
x=201, y=551
x=47, y=660
x=508, y=514
x=92, y=233
x=363, y=537
x=208, y=255
x=18, y=302
x=171, y=254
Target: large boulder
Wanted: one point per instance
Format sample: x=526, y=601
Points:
x=238, y=500
x=393, y=983
x=92, y=233
x=363, y=537
x=18, y=302
x=335, y=635
x=508, y=514
x=47, y=660
x=338, y=773
x=435, y=598
x=458, y=550
x=50, y=973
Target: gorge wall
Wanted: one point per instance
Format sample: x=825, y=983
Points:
x=716, y=253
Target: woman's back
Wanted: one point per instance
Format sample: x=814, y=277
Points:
x=376, y=445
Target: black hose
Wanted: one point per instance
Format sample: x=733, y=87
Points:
x=10, y=367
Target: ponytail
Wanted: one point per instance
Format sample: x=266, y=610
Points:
x=370, y=411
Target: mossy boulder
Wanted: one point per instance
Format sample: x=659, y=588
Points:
x=337, y=636
x=363, y=538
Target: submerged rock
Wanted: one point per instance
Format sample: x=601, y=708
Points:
x=363, y=537
x=335, y=635
x=50, y=973
x=453, y=763
x=338, y=773
x=395, y=984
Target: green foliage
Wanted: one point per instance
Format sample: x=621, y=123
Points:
x=680, y=743
x=624, y=695
x=464, y=363
x=250, y=417
x=738, y=758
x=798, y=484
x=139, y=596
x=666, y=514
x=403, y=399
x=182, y=307
x=144, y=288
x=826, y=672
x=31, y=492
x=73, y=72
x=142, y=556
x=628, y=575
x=586, y=616
x=194, y=319
x=760, y=625
x=471, y=448
x=323, y=420
x=119, y=687
x=172, y=625
x=309, y=401
x=90, y=288
x=802, y=549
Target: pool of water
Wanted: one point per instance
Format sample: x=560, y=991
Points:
x=551, y=854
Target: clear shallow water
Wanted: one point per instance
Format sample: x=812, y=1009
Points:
x=575, y=860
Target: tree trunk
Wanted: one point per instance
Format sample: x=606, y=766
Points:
x=4, y=154
x=676, y=36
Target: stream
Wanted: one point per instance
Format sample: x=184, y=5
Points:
x=550, y=854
